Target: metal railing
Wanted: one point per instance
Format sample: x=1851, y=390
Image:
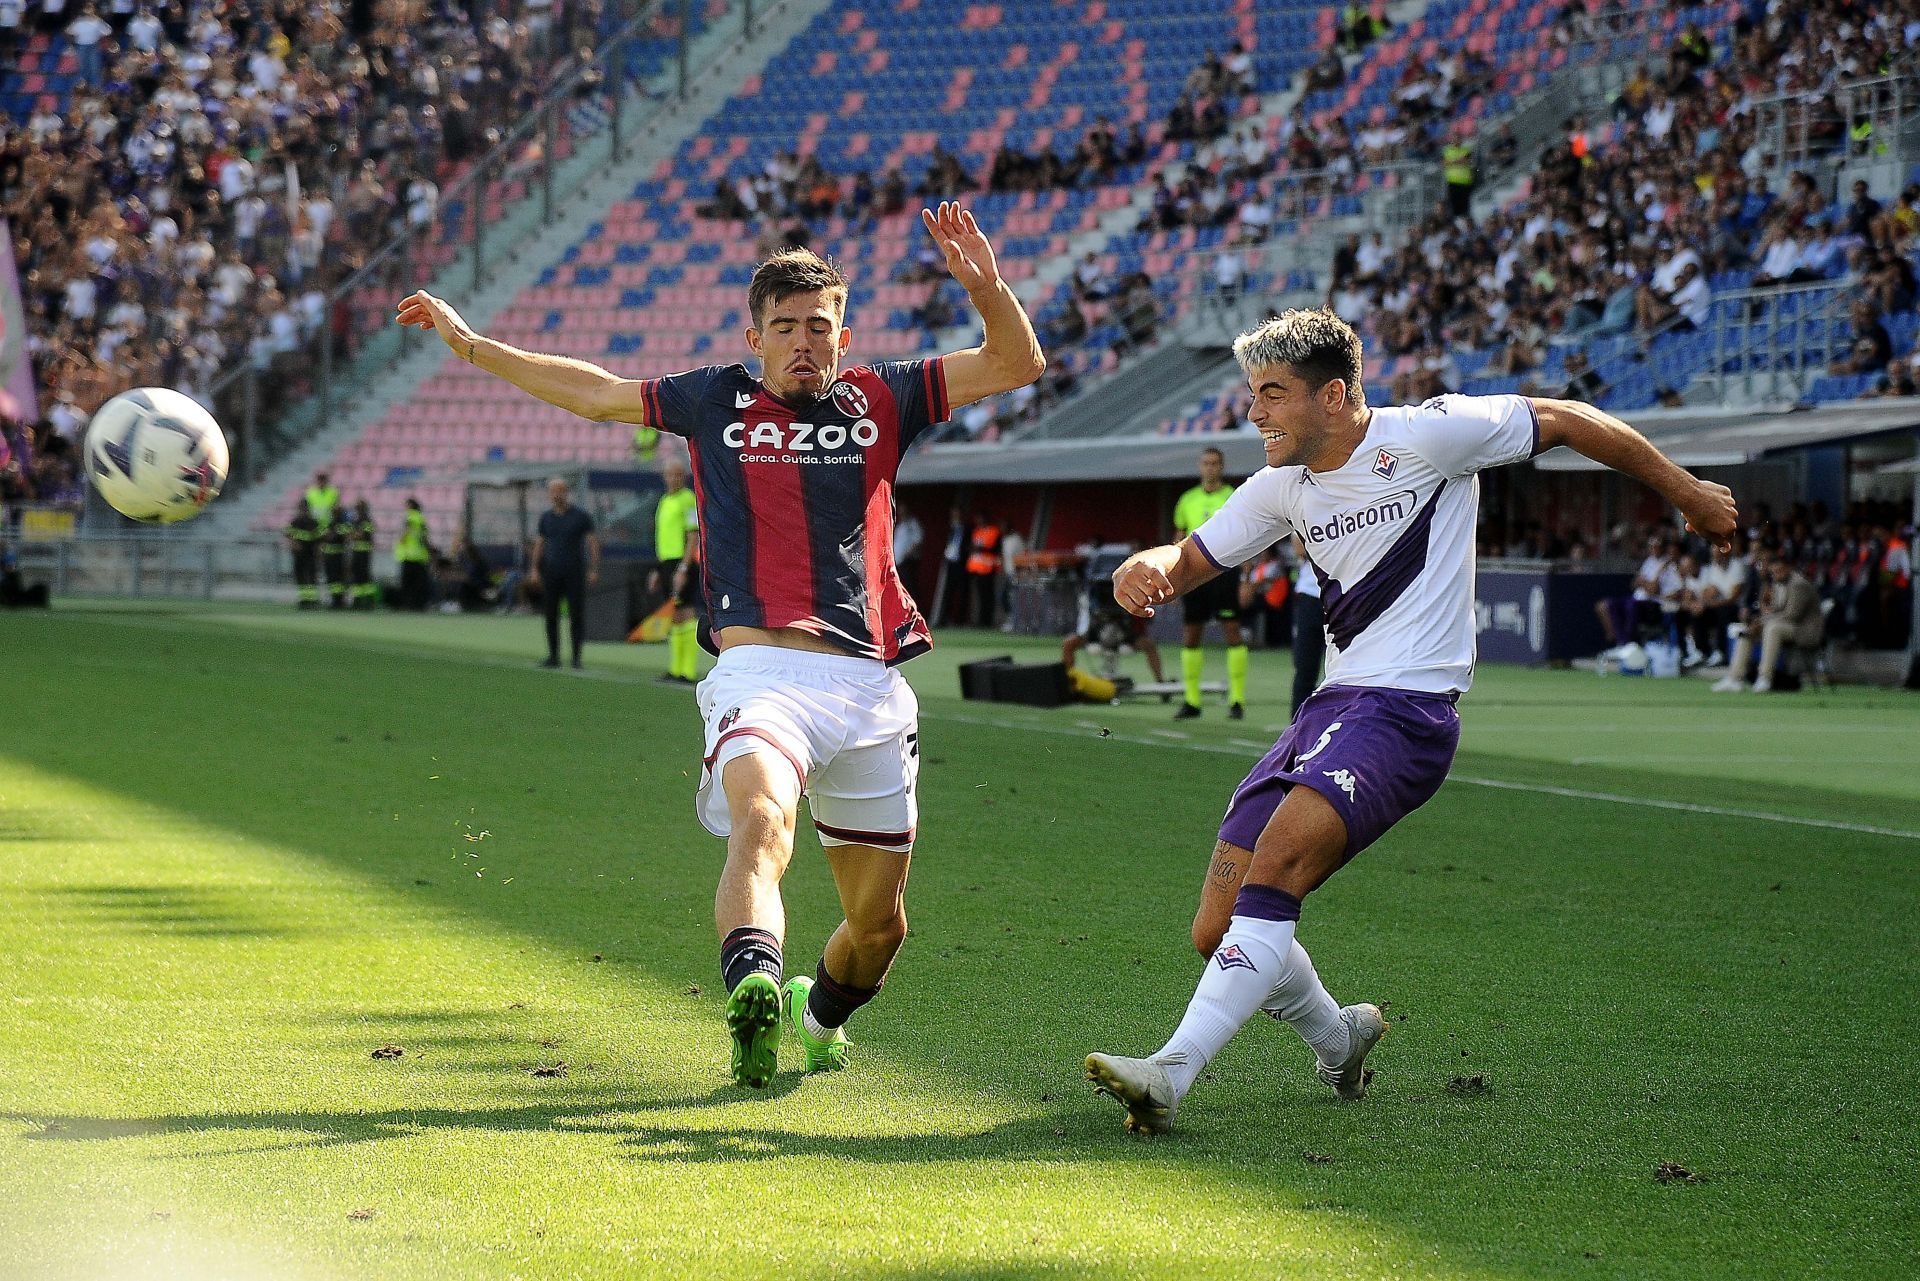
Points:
x=158, y=563
x=1759, y=344
x=1859, y=120
x=484, y=219
x=1801, y=330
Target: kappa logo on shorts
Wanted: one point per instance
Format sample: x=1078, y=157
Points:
x=1231, y=957
x=1385, y=464
x=726, y=722
x=1342, y=779
x=851, y=400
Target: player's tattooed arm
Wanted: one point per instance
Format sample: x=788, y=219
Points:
x=1157, y=575
x=577, y=386
x=1009, y=355
x=1598, y=435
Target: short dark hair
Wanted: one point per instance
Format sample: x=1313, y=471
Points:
x=1315, y=344
x=790, y=272
x=1215, y=451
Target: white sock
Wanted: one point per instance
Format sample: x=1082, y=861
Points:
x=1238, y=977
x=1301, y=1001
x=813, y=1025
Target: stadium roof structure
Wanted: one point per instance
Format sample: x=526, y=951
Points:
x=1716, y=437
x=1726, y=437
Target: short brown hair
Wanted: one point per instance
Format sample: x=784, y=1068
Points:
x=790, y=272
x=1316, y=345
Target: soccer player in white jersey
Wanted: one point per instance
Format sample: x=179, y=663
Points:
x=1385, y=501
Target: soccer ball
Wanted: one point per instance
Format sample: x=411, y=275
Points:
x=156, y=455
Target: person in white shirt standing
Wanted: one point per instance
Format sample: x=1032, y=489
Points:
x=87, y=34
x=1385, y=501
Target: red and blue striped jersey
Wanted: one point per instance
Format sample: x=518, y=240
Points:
x=796, y=501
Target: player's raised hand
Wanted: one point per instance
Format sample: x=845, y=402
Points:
x=1711, y=513
x=1139, y=585
x=969, y=256
x=421, y=310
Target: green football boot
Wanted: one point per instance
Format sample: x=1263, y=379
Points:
x=753, y=1017
x=822, y=1056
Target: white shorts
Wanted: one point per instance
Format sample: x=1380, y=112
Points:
x=848, y=726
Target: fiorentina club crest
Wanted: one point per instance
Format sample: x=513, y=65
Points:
x=850, y=400
x=1385, y=464
x=1231, y=957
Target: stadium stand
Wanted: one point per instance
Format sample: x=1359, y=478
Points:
x=656, y=284
x=1573, y=285
x=184, y=194
x=653, y=287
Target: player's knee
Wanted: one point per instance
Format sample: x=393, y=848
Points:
x=762, y=823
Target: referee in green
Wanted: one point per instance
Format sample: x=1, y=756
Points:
x=676, y=547
x=1217, y=599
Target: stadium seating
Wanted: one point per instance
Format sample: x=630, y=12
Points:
x=1751, y=344
x=653, y=288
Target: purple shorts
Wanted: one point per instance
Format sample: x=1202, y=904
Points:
x=1377, y=755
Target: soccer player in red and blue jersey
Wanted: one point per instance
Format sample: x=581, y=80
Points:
x=793, y=474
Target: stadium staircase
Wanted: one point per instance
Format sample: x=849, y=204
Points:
x=1539, y=86
x=651, y=286
x=731, y=60
x=1560, y=82
x=1759, y=347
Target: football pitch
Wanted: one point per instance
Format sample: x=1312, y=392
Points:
x=354, y=946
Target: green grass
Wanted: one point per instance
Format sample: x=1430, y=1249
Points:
x=240, y=850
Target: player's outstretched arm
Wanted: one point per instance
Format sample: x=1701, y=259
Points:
x=1009, y=356
x=1159, y=574
x=577, y=386
x=1709, y=508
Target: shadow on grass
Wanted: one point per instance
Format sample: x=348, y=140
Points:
x=187, y=910
x=591, y=821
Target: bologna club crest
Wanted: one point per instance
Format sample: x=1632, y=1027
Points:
x=850, y=400
x=727, y=721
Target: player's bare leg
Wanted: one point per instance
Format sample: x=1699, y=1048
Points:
x=763, y=794
x=1254, y=963
x=872, y=884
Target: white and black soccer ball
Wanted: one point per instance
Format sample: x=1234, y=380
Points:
x=156, y=455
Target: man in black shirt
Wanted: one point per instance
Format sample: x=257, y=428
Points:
x=566, y=561
x=1872, y=348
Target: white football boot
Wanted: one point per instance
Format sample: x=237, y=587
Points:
x=1141, y=1085
x=1365, y=1026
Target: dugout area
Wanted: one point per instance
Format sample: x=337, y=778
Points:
x=502, y=505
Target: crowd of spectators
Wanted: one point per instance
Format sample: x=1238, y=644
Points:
x=37, y=465
x=1858, y=569
x=219, y=167
x=1624, y=237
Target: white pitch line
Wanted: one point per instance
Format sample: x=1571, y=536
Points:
x=1219, y=749
x=1544, y=789
x=1688, y=807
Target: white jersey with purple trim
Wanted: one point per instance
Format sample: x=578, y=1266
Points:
x=1390, y=536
